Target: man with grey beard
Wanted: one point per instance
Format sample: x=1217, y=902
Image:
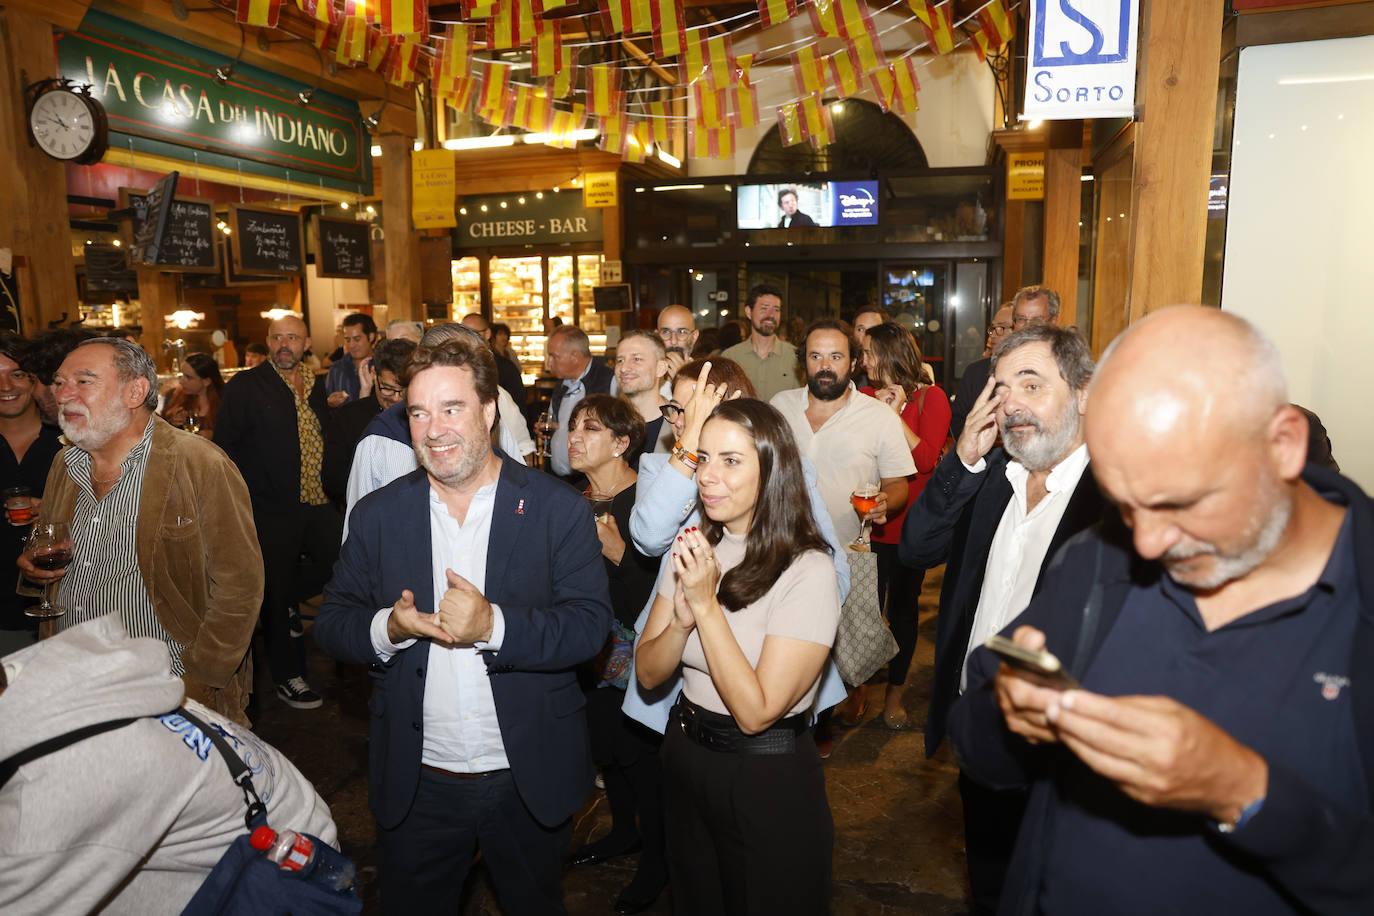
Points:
x=996, y=516
x=161, y=528
x=1217, y=757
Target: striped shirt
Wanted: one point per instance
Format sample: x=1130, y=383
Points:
x=104, y=577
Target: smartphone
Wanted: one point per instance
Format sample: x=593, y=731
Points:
x=1036, y=665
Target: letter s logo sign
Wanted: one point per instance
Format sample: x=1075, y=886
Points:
x=1060, y=24
x=1095, y=49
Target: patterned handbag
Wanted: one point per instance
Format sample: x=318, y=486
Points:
x=863, y=643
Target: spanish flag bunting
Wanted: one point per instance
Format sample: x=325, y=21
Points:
x=531, y=110
x=791, y=127
x=452, y=56
x=995, y=29
x=614, y=129
x=658, y=122
x=479, y=9
x=541, y=7
x=809, y=70
x=503, y=28
x=263, y=13
x=405, y=17
x=822, y=14
x=774, y=12
x=458, y=95
x=896, y=87
x=613, y=16
x=744, y=103
x=365, y=10
x=379, y=50
x=319, y=10
x=566, y=77
x=711, y=110
x=494, y=101
x=603, y=89
x=844, y=76
x=713, y=143
x=641, y=16
x=405, y=51
x=325, y=35
x=852, y=19
x=938, y=22
x=867, y=54
x=565, y=124
x=352, y=44
x=707, y=58
x=546, y=47
x=816, y=117
x=668, y=26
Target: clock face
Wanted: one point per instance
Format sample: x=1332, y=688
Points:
x=62, y=124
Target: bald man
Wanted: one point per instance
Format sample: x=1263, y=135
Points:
x=271, y=422
x=507, y=372
x=1220, y=753
x=677, y=328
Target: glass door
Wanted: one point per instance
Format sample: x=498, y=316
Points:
x=913, y=295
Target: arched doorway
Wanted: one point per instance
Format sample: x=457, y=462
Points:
x=866, y=138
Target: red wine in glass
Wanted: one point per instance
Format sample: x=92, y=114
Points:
x=50, y=549
x=50, y=560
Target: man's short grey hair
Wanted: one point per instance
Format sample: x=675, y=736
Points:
x=650, y=336
x=131, y=362
x=1035, y=292
x=576, y=337
x=1070, y=350
x=450, y=330
x=414, y=329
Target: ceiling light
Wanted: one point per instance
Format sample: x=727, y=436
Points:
x=480, y=142
x=376, y=151
x=669, y=158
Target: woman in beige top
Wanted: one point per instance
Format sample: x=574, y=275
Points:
x=748, y=611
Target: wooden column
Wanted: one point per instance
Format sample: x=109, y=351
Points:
x=157, y=297
x=1013, y=243
x=402, y=248
x=1063, y=196
x=1176, y=97
x=33, y=207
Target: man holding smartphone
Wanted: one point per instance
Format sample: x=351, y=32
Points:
x=996, y=516
x=1218, y=757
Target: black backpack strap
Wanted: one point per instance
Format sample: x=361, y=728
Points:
x=11, y=766
x=237, y=768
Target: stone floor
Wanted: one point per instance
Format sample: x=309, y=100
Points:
x=898, y=831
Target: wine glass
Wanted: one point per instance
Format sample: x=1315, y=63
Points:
x=192, y=423
x=865, y=500
x=544, y=428
x=50, y=544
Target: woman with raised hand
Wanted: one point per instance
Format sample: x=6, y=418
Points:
x=748, y=612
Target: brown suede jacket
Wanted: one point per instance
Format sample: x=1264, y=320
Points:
x=198, y=556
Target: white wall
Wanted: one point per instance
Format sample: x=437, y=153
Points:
x=1300, y=232
x=325, y=294
x=956, y=97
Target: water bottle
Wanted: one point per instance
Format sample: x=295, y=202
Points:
x=303, y=854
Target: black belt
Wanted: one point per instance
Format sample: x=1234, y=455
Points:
x=717, y=732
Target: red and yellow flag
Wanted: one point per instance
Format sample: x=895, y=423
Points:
x=458, y=95
x=808, y=69
x=896, y=87
x=744, y=103
x=363, y=10
x=264, y=13
x=405, y=17
x=352, y=44
x=493, y=105
x=713, y=143
x=867, y=54
x=844, y=75
x=546, y=48
x=822, y=14
x=774, y=12
x=938, y=22
x=565, y=125
x=995, y=29
x=709, y=59
x=452, y=57
x=658, y=122
x=791, y=128
x=322, y=11
x=503, y=28
x=816, y=117
x=668, y=28
x=614, y=131
x=566, y=77
x=479, y=9
x=405, y=52
x=711, y=110
x=603, y=89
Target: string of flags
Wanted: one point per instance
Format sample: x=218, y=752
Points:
x=391, y=37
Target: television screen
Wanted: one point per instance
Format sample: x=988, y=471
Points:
x=795, y=206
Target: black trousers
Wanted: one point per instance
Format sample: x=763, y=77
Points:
x=423, y=862
x=299, y=548
x=746, y=834
x=992, y=819
x=899, y=590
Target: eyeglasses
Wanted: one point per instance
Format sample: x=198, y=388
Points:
x=1022, y=321
x=390, y=391
x=1000, y=330
x=675, y=332
x=671, y=411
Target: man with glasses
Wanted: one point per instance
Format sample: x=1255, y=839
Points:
x=507, y=372
x=347, y=423
x=770, y=362
x=570, y=359
x=1031, y=305
x=678, y=331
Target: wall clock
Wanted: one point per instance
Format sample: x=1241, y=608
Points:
x=67, y=123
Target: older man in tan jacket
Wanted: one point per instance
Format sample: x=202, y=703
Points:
x=161, y=525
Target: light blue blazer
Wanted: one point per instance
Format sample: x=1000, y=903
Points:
x=665, y=503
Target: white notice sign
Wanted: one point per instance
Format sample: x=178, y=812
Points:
x=1082, y=59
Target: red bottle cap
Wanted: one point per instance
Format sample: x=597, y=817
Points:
x=263, y=837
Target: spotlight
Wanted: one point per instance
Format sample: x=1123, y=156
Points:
x=305, y=95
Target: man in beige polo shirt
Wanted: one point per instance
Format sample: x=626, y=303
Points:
x=770, y=362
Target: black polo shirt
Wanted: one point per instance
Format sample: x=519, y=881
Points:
x=32, y=472
x=1277, y=680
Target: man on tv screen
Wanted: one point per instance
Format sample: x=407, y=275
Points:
x=791, y=216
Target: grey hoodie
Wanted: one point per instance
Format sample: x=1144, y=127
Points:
x=131, y=820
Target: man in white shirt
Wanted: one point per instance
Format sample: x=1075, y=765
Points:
x=850, y=437
x=475, y=625
x=996, y=515
x=570, y=359
x=641, y=369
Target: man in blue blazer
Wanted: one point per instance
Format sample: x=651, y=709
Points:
x=474, y=588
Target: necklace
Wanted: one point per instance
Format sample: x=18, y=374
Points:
x=615, y=487
x=95, y=479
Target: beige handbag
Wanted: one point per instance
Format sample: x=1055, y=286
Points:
x=863, y=643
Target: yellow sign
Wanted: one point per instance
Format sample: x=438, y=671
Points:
x=599, y=189
x=432, y=189
x=1025, y=176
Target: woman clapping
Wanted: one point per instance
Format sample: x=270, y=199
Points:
x=749, y=611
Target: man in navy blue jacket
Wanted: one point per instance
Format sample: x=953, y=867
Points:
x=1220, y=755
x=474, y=588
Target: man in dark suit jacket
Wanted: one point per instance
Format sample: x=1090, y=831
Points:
x=347, y=423
x=996, y=516
x=570, y=358
x=792, y=218
x=271, y=423
x=478, y=734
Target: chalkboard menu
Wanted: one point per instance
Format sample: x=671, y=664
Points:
x=343, y=248
x=108, y=271
x=614, y=298
x=267, y=241
x=187, y=243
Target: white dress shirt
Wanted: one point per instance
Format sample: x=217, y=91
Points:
x=461, y=730
x=576, y=390
x=1019, y=546
x=862, y=442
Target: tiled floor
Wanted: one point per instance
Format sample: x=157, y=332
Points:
x=898, y=833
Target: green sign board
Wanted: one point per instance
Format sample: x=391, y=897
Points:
x=159, y=89
x=501, y=219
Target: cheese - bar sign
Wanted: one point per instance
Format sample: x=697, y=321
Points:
x=526, y=219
